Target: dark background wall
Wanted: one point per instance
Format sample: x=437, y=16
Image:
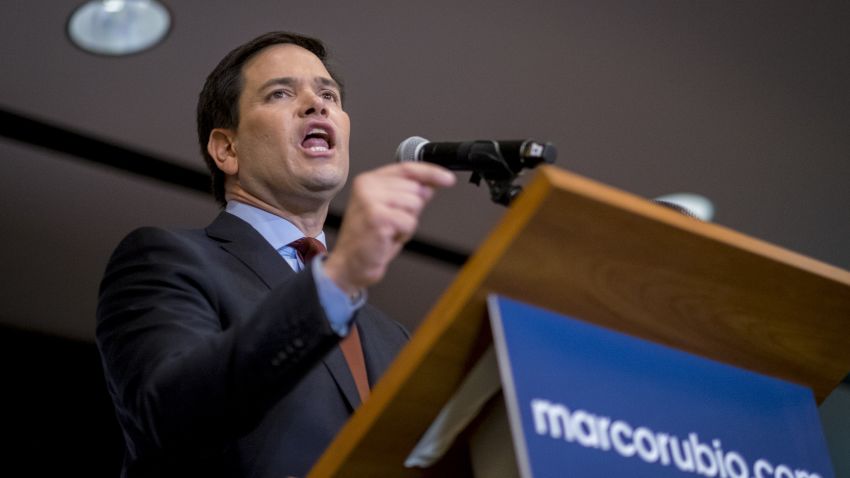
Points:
x=56, y=415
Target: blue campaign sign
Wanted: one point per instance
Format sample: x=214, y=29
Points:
x=584, y=401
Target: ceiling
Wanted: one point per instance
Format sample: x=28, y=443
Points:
x=744, y=102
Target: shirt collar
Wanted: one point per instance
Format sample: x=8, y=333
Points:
x=276, y=230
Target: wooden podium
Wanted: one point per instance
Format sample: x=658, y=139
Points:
x=586, y=250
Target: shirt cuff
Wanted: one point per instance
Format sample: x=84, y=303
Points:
x=339, y=307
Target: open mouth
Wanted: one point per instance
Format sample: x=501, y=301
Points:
x=318, y=139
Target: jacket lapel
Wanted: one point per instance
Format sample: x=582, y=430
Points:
x=242, y=241
x=338, y=367
x=377, y=355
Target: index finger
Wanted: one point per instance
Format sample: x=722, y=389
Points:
x=426, y=173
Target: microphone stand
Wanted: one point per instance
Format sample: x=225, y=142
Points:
x=500, y=173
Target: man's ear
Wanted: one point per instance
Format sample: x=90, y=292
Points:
x=222, y=148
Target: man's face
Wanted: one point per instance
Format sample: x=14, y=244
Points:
x=292, y=140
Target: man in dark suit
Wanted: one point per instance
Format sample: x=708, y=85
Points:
x=229, y=351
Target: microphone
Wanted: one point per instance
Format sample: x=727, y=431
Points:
x=498, y=163
x=491, y=159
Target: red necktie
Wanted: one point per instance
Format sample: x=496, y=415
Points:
x=308, y=248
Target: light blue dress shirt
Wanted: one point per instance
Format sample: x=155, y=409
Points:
x=278, y=232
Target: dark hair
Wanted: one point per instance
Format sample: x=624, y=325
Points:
x=218, y=102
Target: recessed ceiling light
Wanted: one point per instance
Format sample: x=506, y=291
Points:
x=699, y=206
x=118, y=27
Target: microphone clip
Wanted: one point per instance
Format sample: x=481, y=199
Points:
x=500, y=163
x=501, y=191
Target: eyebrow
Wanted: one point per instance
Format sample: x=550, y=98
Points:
x=290, y=81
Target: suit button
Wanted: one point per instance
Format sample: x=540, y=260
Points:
x=280, y=358
x=298, y=343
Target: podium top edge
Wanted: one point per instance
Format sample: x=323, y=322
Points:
x=561, y=179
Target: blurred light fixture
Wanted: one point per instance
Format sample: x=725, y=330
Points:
x=118, y=27
x=699, y=206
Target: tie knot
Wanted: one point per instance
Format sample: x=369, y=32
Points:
x=307, y=248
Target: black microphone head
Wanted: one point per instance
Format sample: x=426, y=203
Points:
x=408, y=150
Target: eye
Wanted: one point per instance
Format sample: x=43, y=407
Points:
x=330, y=95
x=278, y=94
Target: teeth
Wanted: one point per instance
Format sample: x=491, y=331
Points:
x=317, y=140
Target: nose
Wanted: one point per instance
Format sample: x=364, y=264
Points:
x=312, y=104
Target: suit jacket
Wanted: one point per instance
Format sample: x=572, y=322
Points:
x=219, y=358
